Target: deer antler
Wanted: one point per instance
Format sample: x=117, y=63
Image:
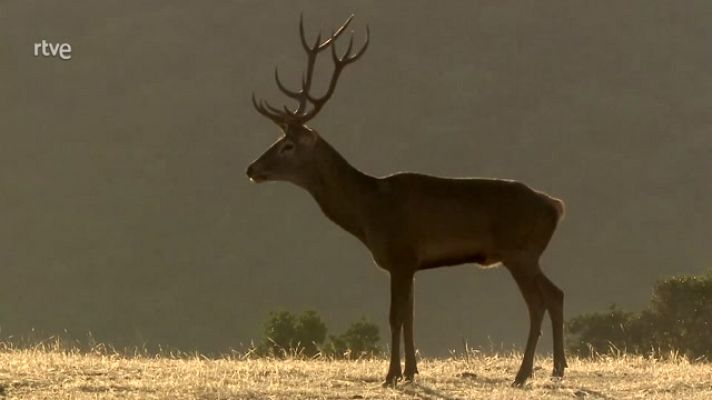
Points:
x=300, y=114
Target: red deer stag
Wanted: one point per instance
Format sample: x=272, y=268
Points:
x=412, y=222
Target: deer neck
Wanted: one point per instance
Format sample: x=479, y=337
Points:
x=343, y=192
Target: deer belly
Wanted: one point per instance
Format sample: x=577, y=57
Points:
x=442, y=254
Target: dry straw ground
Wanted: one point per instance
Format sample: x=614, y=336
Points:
x=43, y=373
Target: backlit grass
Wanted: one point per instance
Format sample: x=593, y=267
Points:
x=53, y=373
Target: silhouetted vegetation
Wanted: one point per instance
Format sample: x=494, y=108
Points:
x=677, y=320
x=286, y=332
x=305, y=334
x=360, y=339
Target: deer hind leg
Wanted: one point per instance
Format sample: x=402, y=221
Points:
x=411, y=367
x=525, y=274
x=401, y=285
x=554, y=301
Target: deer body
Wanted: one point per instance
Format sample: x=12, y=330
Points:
x=428, y=222
x=413, y=222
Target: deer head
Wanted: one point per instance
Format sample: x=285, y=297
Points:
x=292, y=157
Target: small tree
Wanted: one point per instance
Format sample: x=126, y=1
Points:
x=682, y=315
x=600, y=332
x=311, y=332
x=280, y=332
x=360, y=339
x=679, y=319
x=286, y=333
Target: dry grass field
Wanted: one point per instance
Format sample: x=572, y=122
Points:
x=51, y=373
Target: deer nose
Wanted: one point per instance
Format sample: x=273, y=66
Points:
x=254, y=174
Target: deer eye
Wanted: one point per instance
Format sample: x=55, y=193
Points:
x=287, y=148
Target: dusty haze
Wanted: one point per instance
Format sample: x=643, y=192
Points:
x=124, y=209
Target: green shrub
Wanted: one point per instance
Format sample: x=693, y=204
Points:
x=598, y=332
x=682, y=315
x=360, y=339
x=678, y=319
x=286, y=333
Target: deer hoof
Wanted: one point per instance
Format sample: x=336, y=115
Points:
x=559, y=367
x=392, y=380
x=410, y=375
x=519, y=383
x=520, y=380
x=558, y=372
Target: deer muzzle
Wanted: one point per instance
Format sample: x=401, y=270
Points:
x=255, y=175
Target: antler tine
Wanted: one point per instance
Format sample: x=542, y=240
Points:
x=363, y=48
x=259, y=106
x=312, y=52
x=339, y=64
x=345, y=57
x=270, y=107
x=290, y=93
x=320, y=46
x=337, y=33
x=301, y=34
x=348, y=58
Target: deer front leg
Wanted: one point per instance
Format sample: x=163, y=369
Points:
x=411, y=367
x=399, y=298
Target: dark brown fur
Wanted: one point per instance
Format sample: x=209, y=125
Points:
x=412, y=222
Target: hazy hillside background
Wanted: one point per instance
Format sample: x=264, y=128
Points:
x=124, y=209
